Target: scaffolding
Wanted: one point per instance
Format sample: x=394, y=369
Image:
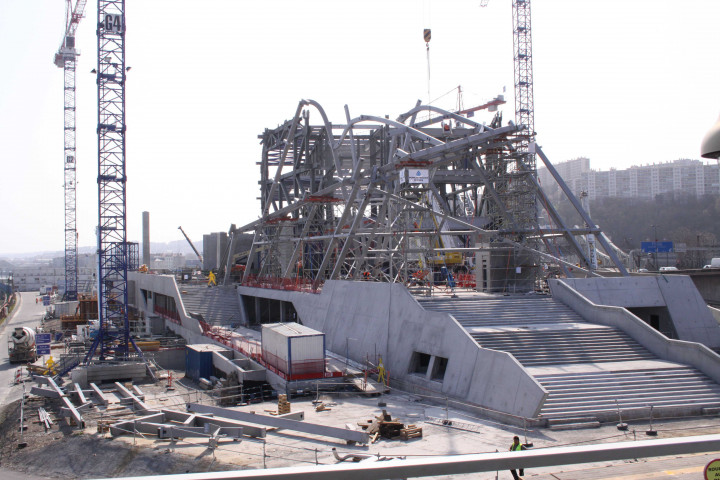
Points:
x=394, y=200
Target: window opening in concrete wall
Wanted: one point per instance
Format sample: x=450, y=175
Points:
x=439, y=368
x=420, y=362
x=655, y=321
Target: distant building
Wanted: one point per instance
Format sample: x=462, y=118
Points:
x=691, y=177
x=168, y=261
x=31, y=276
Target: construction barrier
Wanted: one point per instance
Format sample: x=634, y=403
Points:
x=252, y=349
x=466, y=280
x=282, y=283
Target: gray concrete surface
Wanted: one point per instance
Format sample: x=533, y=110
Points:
x=384, y=319
x=694, y=354
x=691, y=318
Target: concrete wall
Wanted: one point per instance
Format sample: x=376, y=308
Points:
x=708, y=284
x=690, y=353
x=689, y=313
x=165, y=285
x=715, y=313
x=189, y=329
x=368, y=318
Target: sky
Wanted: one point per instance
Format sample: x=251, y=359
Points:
x=622, y=83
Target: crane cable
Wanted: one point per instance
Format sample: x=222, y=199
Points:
x=426, y=37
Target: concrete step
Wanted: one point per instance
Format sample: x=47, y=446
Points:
x=646, y=398
x=605, y=390
x=570, y=379
x=217, y=305
x=573, y=423
x=680, y=390
x=503, y=310
x=535, y=347
x=610, y=411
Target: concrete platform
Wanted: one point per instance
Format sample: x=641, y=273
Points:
x=109, y=372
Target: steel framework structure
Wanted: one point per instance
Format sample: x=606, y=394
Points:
x=520, y=188
x=113, y=258
x=65, y=58
x=392, y=200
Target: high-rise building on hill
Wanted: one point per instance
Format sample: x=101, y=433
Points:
x=692, y=177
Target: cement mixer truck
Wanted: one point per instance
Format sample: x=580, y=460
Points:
x=21, y=346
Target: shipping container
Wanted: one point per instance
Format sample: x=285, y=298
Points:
x=293, y=349
x=199, y=360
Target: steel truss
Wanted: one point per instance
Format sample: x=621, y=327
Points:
x=113, y=258
x=71, y=261
x=65, y=58
x=521, y=191
x=338, y=203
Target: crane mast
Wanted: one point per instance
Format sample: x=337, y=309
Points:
x=522, y=52
x=114, y=331
x=65, y=58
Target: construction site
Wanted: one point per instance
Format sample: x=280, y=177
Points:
x=408, y=297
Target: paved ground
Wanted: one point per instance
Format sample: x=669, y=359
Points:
x=26, y=313
x=286, y=448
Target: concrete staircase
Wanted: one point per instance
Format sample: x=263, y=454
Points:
x=589, y=370
x=563, y=344
x=217, y=305
x=672, y=389
x=505, y=311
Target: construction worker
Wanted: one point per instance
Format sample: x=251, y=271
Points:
x=516, y=447
x=211, y=279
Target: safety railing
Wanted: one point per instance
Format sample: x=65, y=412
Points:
x=297, y=284
x=306, y=370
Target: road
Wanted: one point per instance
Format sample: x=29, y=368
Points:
x=26, y=313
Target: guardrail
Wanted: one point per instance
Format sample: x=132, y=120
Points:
x=253, y=350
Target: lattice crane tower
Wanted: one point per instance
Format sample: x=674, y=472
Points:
x=522, y=51
x=65, y=58
x=112, y=236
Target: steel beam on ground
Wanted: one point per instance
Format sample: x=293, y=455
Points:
x=97, y=393
x=284, y=423
x=463, y=464
x=80, y=394
x=127, y=394
x=190, y=419
x=68, y=404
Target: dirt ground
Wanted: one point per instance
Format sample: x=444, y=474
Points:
x=64, y=451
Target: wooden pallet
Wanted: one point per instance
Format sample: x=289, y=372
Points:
x=283, y=405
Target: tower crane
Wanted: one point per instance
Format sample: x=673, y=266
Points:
x=113, y=248
x=65, y=58
x=522, y=53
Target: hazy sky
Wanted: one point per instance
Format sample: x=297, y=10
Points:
x=621, y=82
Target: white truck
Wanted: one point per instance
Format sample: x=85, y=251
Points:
x=21, y=345
x=714, y=263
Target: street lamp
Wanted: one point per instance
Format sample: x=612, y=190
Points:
x=655, y=244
